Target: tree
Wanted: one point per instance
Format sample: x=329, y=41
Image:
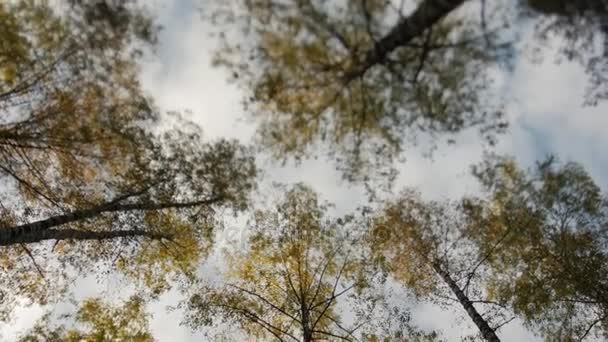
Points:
x=97, y=321
x=289, y=284
x=534, y=245
x=84, y=165
x=73, y=114
x=157, y=228
x=422, y=245
x=366, y=78
x=552, y=262
x=362, y=76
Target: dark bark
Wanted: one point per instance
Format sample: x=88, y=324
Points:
x=34, y=231
x=428, y=13
x=306, y=331
x=305, y=315
x=486, y=331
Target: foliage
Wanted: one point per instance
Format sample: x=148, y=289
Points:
x=421, y=244
x=83, y=161
x=535, y=245
x=96, y=180
x=365, y=79
x=331, y=72
x=73, y=112
x=551, y=264
x=578, y=26
x=299, y=271
x=97, y=321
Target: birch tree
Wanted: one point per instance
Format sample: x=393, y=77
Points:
x=422, y=245
x=551, y=264
x=300, y=273
x=533, y=247
x=366, y=78
x=90, y=182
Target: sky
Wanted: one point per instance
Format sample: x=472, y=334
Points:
x=544, y=109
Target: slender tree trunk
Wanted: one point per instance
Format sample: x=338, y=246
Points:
x=17, y=234
x=306, y=334
x=428, y=13
x=75, y=234
x=487, y=332
x=306, y=330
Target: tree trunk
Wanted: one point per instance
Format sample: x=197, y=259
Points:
x=306, y=329
x=428, y=13
x=17, y=234
x=307, y=335
x=487, y=332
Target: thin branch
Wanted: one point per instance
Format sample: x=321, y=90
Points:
x=423, y=55
x=319, y=19
x=484, y=27
x=31, y=256
x=334, y=295
x=29, y=186
x=588, y=330
x=314, y=297
x=504, y=323
x=293, y=288
x=33, y=80
x=485, y=257
x=263, y=299
x=446, y=297
x=332, y=335
x=348, y=331
x=489, y=302
x=368, y=20
x=254, y=318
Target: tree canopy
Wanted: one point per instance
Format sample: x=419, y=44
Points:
x=97, y=181
x=534, y=247
x=84, y=163
x=366, y=79
x=299, y=271
x=551, y=263
x=360, y=76
x=421, y=244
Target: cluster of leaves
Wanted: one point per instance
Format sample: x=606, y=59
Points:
x=97, y=321
x=363, y=78
x=533, y=247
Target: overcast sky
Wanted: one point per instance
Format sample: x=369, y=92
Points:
x=546, y=117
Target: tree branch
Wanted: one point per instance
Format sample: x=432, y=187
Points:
x=263, y=299
x=34, y=231
x=588, y=330
x=428, y=13
x=29, y=253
